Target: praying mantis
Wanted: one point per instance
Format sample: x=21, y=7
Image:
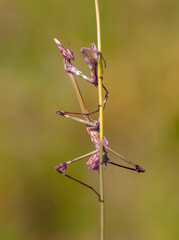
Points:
x=92, y=125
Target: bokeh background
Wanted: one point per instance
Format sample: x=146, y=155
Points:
x=140, y=41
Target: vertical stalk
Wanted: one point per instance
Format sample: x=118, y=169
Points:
x=100, y=93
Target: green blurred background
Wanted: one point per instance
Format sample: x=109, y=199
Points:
x=140, y=41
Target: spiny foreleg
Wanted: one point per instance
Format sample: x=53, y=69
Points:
x=92, y=61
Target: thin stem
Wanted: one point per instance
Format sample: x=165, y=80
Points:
x=100, y=92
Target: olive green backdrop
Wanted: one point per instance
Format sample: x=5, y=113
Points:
x=140, y=42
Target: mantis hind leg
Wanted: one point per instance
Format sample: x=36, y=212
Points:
x=136, y=168
x=62, y=167
x=78, y=181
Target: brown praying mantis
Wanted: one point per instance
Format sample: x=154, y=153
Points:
x=92, y=126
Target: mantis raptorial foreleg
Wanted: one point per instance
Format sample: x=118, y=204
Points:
x=90, y=60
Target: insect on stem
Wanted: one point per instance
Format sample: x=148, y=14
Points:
x=99, y=157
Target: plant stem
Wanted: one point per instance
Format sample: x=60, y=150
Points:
x=100, y=93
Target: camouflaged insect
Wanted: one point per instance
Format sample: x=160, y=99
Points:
x=92, y=126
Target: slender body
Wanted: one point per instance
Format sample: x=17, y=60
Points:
x=92, y=126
